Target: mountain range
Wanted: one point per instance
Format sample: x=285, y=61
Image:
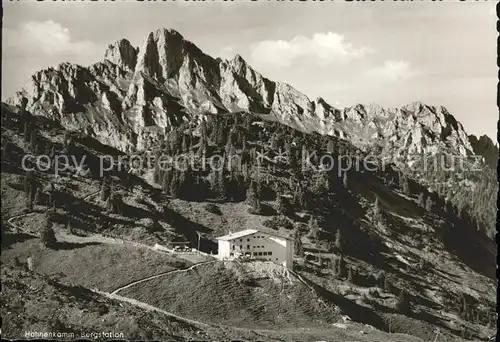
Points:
x=135, y=95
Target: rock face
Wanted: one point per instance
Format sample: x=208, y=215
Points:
x=135, y=95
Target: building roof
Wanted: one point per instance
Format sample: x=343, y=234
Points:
x=239, y=234
x=247, y=232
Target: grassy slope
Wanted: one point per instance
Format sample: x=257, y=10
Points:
x=31, y=302
x=92, y=265
x=216, y=294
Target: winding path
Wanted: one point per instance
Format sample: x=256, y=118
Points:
x=148, y=307
x=160, y=275
x=32, y=212
x=63, y=236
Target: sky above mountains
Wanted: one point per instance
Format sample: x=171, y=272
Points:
x=387, y=53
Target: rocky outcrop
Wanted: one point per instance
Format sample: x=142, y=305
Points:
x=135, y=95
x=485, y=147
x=414, y=129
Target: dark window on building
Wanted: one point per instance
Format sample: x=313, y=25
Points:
x=248, y=246
x=270, y=253
x=233, y=247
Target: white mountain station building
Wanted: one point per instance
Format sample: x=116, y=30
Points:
x=257, y=244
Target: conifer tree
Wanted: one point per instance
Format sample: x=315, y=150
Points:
x=377, y=211
x=221, y=185
x=174, y=184
x=251, y=195
x=429, y=204
x=167, y=148
x=330, y=246
x=421, y=200
x=26, y=131
x=69, y=227
x=256, y=209
x=203, y=129
x=464, y=308
x=282, y=206
x=402, y=304
x=105, y=190
x=341, y=266
x=6, y=150
x=189, y=138
x=33, y=141
x=38, y=194
x=166, y=179
x=387, y=284
x=314, y=228
x=403, y=184
x=293, y=160
x=214, y=131
x=115, y=203
x=334, y=265
x=174, y=142
x=28, y=181
x=202, y=148
x=52, y=155
x=298, y=196
x=29, y=200
x=339, y=243
x=67, y=139
x=47, y=236
x=298, y=247
x=253, y=200
x=330, y=148
x=243, y=140
x=220, y=138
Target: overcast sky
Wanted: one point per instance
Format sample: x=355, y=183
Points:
x=386, y=53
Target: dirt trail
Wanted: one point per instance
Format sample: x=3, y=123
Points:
x=32, y=212
x=65, y=237
x=148, y=307
x=160, y=275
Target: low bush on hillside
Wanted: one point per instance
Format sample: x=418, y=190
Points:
x=212, y=208
x=278, y=221
x=374, y=293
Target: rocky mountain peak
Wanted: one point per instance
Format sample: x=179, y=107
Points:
x=122, y=53
x=163, y=53
x=238, y=62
